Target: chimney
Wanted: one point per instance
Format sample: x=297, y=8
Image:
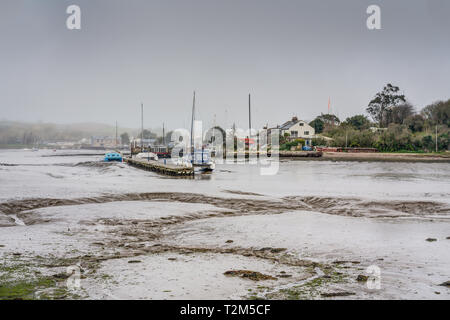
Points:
x=294, y=119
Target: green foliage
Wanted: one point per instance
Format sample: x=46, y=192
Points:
x=400, y=127
x=319, y=142
x=398, y=114
x=287, y=146
x=318, y=125
x=329, y=119
x=349, y=137
x=437, y=113
x=415, y=123
x=284, y=138
x=358, y=122
x=396, y=137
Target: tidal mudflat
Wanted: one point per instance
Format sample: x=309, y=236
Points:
x=316, y=230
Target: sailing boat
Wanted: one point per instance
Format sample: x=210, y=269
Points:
x=200, y=158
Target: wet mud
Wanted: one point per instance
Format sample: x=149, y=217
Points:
x=352, y=207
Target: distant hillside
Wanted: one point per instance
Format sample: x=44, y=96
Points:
x=12, y=132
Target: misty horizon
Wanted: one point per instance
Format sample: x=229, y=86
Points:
x=292, y=56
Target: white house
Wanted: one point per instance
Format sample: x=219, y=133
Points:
x=104, y=142
x=298, y=129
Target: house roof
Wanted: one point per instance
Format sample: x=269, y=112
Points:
x=287, y=125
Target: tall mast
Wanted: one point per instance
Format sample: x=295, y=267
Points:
x=116, y=135
x=249, y=115
x=142, y=127
x=192, y=126
x=214, y=130
x=164, y=136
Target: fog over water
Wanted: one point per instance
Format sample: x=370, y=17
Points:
x=291, y=55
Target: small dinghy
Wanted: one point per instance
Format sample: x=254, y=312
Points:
x=113, y=156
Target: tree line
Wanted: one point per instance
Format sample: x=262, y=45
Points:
x=394, y=125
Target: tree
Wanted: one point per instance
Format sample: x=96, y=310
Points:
x=168, y=137
x=358, y=122
x=148, y=134
x=437, y=113
x=317, y=124
x=398, y=114
x=329, y=119
x=383, y=100
x=324, y=122
x=125, y=138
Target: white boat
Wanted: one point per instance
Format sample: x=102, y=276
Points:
x=202, y=161
x=199, y=158
x=147, y=156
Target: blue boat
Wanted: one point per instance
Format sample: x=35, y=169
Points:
x=113, y=156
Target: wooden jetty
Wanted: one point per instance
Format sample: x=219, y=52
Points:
x=158, y=167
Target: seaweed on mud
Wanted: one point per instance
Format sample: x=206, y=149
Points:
x=337, y=294
x=22, y=280
x=248, y=274
x=316, y=287
x=244, y=193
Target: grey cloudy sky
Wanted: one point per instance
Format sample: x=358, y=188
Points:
x=291, y=55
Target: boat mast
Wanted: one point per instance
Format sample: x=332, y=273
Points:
x=116, y=135
x=192, y=127
x=249, y=115
x=164, y=136
x=249, y=122
x=214, y=131
x=142, y=127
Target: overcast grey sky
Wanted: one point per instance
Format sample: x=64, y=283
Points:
x=291, y=55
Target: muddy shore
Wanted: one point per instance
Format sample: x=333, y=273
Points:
x=313, y=231
x=380, y=157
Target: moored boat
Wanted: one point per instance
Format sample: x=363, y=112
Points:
x=147, y=156
x=113, y=156
x=201, y=161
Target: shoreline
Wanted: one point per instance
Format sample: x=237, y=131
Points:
x=380, y=157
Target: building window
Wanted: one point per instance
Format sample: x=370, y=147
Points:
x=301, y=124
x=306, y=133
x=294, y=134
